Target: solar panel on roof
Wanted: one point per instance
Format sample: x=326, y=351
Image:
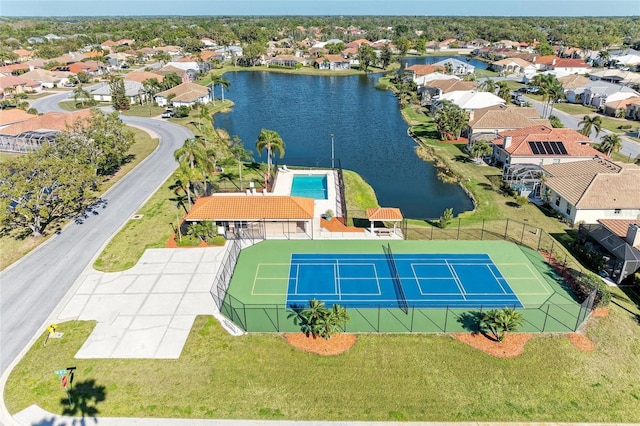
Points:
x=554, y=147
x=534, y=148
x=540, y=147
x=562, y=149
x=547, y=148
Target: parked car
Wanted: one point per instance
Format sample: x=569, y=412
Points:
x=69, y=85
x=168, y=114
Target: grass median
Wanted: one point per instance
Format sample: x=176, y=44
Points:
x=384, y=377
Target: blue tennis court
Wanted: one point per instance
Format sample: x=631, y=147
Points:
x=399, y=280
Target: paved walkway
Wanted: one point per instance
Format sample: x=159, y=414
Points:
x=146, y=311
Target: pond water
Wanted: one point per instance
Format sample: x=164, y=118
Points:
x=370, y=136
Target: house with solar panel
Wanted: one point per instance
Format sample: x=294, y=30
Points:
x=523, y=152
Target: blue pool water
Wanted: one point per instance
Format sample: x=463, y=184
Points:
x=310, y=186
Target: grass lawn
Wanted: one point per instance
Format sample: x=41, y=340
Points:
x=392, y=377
x=359, y=194
x=192, y=122
x=13, y=248
x=71, y=106
x=148, y=110
x=574, y=109
x=8, y=156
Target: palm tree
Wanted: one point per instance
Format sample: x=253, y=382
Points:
x=488, y=85
x=312, y=317
x=603, y=57
x=240, y=153
x=501, y=321
x=222, y=82
x=480, y=149
x=588, y=122
x=334, y=321
x=192, y=152
x=611, y=143
x=272, y=142
x=80, y=93
x=204, y=113
x=184, y=182
x=503, y=90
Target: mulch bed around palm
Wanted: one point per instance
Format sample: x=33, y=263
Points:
x=338, y=343
x=510, y=347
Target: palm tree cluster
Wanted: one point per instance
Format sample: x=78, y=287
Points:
x=611, y=143
x=551, y=90
x=318, y=320
x=450, y=120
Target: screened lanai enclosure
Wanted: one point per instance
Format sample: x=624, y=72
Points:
x=524, y=178
x=621, y=258
x=26, y=141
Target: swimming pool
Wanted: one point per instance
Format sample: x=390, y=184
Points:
x=312, y=186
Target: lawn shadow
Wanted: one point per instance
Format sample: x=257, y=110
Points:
x=84, y=397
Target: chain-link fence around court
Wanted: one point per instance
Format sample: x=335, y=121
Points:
x=557, y=314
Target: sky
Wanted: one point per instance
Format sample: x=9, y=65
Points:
x=10, y=8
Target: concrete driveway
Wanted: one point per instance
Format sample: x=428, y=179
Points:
x=148, y=310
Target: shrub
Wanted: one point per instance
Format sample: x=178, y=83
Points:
x=182, y=111
x=521, y=200
x=446, y=218
x=603, y=295
x=218, y=240
x=188, y=241
x=624, y=126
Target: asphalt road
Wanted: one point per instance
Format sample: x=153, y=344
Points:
x=31, y=288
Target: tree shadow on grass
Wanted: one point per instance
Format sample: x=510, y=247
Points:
x=84, y=397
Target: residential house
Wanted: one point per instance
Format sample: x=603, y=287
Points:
x=12, y=116
x=632, y=111
x=513, y=65
x=486, y=123
x=286, y=61
x=141, y=76
x=48, y=79
x=132, y=90
x=542, y=145
x=592, y=190
x=597, y=93
x=279, y=216
x=573, y=81
x=192, y=68
x=471, y=99
x=13, y=85
x=70, y=58
x=93, y=68
x=187, y=94
x=619, y=108
x=23, y=54
x=478, y=42
x=571, y=66
x=626, y=58
x=332, y=62
x=614, y=75
x=618, y=241
x=415, y=72
x=14, y=69
x=432, y=90
x=457, y=67
x=506, y=44
x=28, y=135
x=170, y=69
x=208, y=42
x=230, y=52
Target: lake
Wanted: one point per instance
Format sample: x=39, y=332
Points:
x=370, y=136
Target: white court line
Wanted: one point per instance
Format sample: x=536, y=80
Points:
x=498, y=279
x=533, y=275
x=457, y=279
x=336, y=279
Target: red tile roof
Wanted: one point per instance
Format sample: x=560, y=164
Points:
x=14, y=81
x=575, y=143
x=421, y=69
x=49, y=121
x=251, y=207
x=10, y=116
x=384, y=213
x=571, y=63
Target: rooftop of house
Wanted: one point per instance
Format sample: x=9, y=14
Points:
x=588, y=184
x=573, y=81
x=421, y=69
x=56, y=121
x=141, y=76
x=251, y=207
x=574, y=143
x=186, y=92
x=503, y=117
x=451, y=85
x=472, y=99
x=14, y=115
x=14, y=81
x=619, y=227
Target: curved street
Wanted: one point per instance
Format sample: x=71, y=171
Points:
x=32, y=287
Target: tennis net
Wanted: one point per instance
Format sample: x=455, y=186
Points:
x=397, y=284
